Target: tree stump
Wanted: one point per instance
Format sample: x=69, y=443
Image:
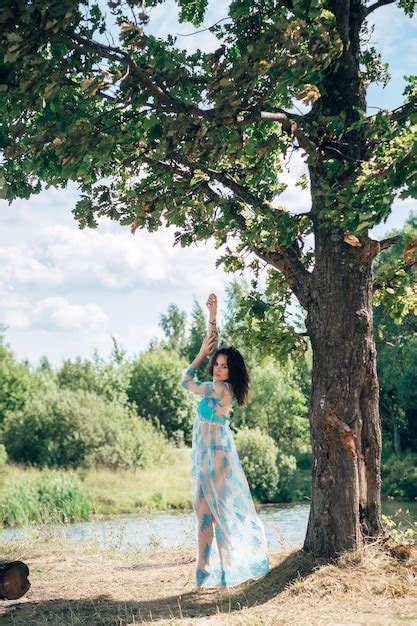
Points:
x=14, y=581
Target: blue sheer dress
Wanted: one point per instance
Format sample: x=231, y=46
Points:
x=231, y=543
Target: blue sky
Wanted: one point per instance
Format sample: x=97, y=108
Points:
x=65, y=292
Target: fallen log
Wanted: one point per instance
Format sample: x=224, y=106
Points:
x=14, y=581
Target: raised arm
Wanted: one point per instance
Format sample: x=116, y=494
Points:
x=209, y=345
x=212, y=330
x=188, y=378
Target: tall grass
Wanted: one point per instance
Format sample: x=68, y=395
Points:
x=46, y=495
x=53, y=497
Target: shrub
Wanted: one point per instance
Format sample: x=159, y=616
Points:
x=294, y=476
x=53, y=497
x=286, y=489
x=15, y=382
x=154, y=388
x=258, y=454
x=277, y=404
x=106, y=379
x=65, y=428
x=399, y=476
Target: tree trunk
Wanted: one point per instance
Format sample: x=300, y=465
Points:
x=344, y=415
x=14, y=581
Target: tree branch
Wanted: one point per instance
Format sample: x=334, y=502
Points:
x=228, y=182
x=174, y=104
x=377, y=5
x=288, y=123
x=404, y=110
x=284, y=259
x=400, y=113
x=390, y=241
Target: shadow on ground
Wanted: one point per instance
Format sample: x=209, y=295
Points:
x=105, y=610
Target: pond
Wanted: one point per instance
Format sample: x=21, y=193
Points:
x=285, y=526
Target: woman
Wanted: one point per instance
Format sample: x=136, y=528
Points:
x=222, y=500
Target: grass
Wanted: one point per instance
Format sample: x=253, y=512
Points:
x=93, y=585
x=145, y=490
x=25, y=492
x=51, y=497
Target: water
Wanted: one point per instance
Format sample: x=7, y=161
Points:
x=285, y=526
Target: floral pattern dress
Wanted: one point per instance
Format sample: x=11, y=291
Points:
x=231, y=543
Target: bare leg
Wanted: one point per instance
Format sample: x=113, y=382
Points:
x=221, y=470
x=205, y=533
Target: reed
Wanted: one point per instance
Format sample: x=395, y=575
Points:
x=52, y=497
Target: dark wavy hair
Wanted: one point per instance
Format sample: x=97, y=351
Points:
x=238, y=374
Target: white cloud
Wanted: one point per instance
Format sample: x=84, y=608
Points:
x=108, y=258
x=392, y=29
x=294, y=199
x=56, y=313
x=111, y=259
x=18, y=320
x=20, y=265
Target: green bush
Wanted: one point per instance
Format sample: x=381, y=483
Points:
x=277, y=404
x=258, y=454
x=65, y=428
x=15, y=381
x=304, y=460
x=106, y=379
x=154, y=388
x=399, y=476
x=52, y=498
x=287, y=467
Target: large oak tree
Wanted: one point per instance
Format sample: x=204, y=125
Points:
x=158, y=136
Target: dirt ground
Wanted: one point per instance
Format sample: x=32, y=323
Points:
x=72, y=587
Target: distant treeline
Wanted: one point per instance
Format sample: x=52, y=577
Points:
x=129, y=412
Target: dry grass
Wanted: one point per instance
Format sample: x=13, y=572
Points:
x=147, y=489
x=92, y=586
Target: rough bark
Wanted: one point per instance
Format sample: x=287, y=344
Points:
x=344, y=412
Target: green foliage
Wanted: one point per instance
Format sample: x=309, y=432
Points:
x=154, y=388
x=174, y=326
x=65, y=428
x=287, y=489
x=106, y=379
x=15, y=382
x=277, y=404
x=397, y=358
x=401, y=527
x=190, y=123
x=399, y=476
x=396, y=336
x=260, y=318
x=52, y=498
x=395, y=270
x=258, y=454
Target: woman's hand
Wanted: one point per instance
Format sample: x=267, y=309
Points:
x=211, y=304
x=208, y=346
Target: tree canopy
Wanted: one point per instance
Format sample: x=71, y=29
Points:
x=155, y=135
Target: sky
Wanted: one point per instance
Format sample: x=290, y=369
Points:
x=65, y=292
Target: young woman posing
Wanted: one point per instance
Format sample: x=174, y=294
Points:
x=222, y=500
